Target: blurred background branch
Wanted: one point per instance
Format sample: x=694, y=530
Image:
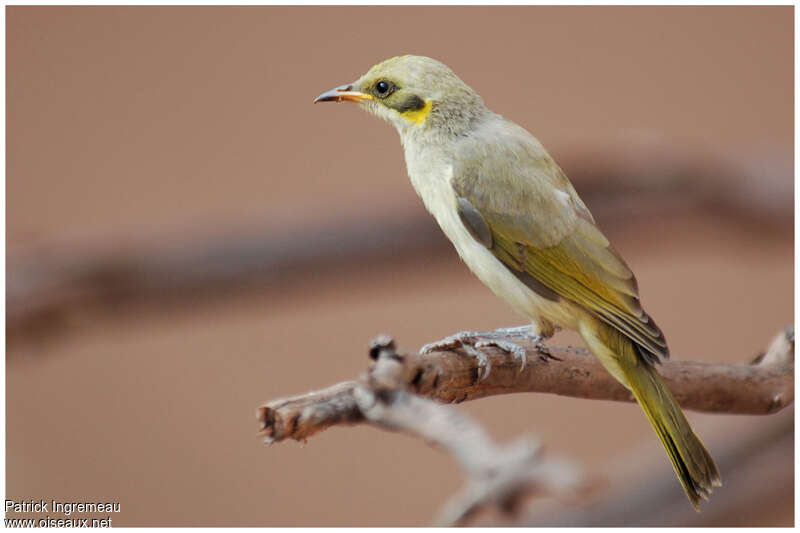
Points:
x=757, y=474
x=46, y=287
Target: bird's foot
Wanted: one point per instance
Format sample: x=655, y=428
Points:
x=472, y=342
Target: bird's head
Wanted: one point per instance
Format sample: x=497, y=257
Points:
x=414, y=93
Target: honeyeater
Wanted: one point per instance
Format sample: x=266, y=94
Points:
x=517, y=222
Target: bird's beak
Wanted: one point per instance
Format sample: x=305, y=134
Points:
x=343, y=93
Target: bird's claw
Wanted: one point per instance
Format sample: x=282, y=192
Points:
x=515, y=350
x=466, y=340
x=448, y=343
x=472, y=342
x=484, y=364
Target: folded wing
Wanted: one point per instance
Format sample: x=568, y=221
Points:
x=529, y=215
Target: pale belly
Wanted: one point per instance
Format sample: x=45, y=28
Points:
x=440, y=200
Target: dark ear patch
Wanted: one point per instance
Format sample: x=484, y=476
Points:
x=411, y=103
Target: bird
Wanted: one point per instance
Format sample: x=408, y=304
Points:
x=519, y=225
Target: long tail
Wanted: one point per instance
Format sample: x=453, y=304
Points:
x=693, y=465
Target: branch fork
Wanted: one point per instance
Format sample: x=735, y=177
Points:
x=408, y=393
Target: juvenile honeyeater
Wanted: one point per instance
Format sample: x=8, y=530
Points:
x=517, y=222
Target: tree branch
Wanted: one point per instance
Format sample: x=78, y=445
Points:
x=495, y=475
x=391, y=394
x=763, y=387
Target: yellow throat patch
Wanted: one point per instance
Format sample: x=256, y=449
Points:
x=418, y=116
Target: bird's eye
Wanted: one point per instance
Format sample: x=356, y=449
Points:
x=383, y=87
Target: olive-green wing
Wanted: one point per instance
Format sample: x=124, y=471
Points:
x=535, y=223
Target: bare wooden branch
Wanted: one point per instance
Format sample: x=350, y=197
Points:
x=780, y=350
x=299, y=417
x=390, y=395
x=764, y=387
x=496, y=475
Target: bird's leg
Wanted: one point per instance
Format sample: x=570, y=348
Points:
x=472, y=341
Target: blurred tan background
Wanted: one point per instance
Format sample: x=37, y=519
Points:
x=136, y=128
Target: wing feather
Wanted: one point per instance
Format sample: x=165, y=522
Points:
x=540, y=227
